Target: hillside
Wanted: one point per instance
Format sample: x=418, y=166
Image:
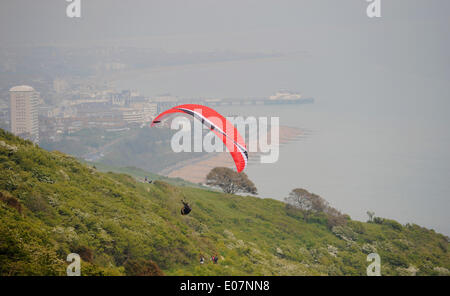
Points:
x=140, y=174
x=144, y=148
x=52, y=205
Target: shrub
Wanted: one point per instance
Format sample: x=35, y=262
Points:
x=357, y=227
x=395, y=260
x=142, y=267
x=443, y=245
x=36, y=203
x=85, y=253
x=378, y=220
x=335, y=218
x=11, y=201
x=294, y=212
x=392, y=223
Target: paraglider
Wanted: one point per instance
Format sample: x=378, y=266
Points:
x=186, y=209
x=223, y=129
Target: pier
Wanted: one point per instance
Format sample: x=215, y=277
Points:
x=163, y=105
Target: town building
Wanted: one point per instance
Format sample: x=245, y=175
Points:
x=24, y=101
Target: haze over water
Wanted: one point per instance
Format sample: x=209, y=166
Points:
x=359, y=156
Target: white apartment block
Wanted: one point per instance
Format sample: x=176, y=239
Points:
x=24, y=112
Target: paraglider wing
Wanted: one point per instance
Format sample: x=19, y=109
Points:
x=224, y=130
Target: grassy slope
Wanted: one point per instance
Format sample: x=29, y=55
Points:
x=67, y=207
x=140, y=174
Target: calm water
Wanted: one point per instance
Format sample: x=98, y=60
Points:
x=377, y=140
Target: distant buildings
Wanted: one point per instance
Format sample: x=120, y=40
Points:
x=139, y=113
x=121, y=99
x=4, y=116
x=24, y=101
x=86, y=106
x=97, y=109
x=60, y=85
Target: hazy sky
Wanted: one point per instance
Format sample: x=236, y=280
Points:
x=45, y=21
x=411, y=34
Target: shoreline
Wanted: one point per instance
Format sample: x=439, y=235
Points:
x=195, y=170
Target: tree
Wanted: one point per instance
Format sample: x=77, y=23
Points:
x=335, y=218
x=230, y=181
x=309, y=203
x=371, y=215
x=304, y=200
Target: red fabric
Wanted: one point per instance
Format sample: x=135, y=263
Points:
x=218, y=121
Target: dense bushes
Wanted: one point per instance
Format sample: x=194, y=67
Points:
x=11, y=201
x=86, y=253
x=392, y=223
x=51, y=205
x=142, y=267
x=314, y=208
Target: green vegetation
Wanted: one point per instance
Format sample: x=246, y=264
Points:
x=140, y=174
x=52, y=205
x=230, y=181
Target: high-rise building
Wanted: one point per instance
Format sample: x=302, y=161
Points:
x=24, y=112
x=59, y=85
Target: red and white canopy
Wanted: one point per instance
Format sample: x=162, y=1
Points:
x=226, y=131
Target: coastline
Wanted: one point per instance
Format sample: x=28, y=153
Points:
x=195, y=170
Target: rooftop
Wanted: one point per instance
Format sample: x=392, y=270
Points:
x=21, y=88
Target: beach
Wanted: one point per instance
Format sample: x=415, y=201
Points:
x=195, y=170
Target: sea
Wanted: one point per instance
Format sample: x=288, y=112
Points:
x=375, y=139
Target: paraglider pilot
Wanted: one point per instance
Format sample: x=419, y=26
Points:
x=186, y=208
